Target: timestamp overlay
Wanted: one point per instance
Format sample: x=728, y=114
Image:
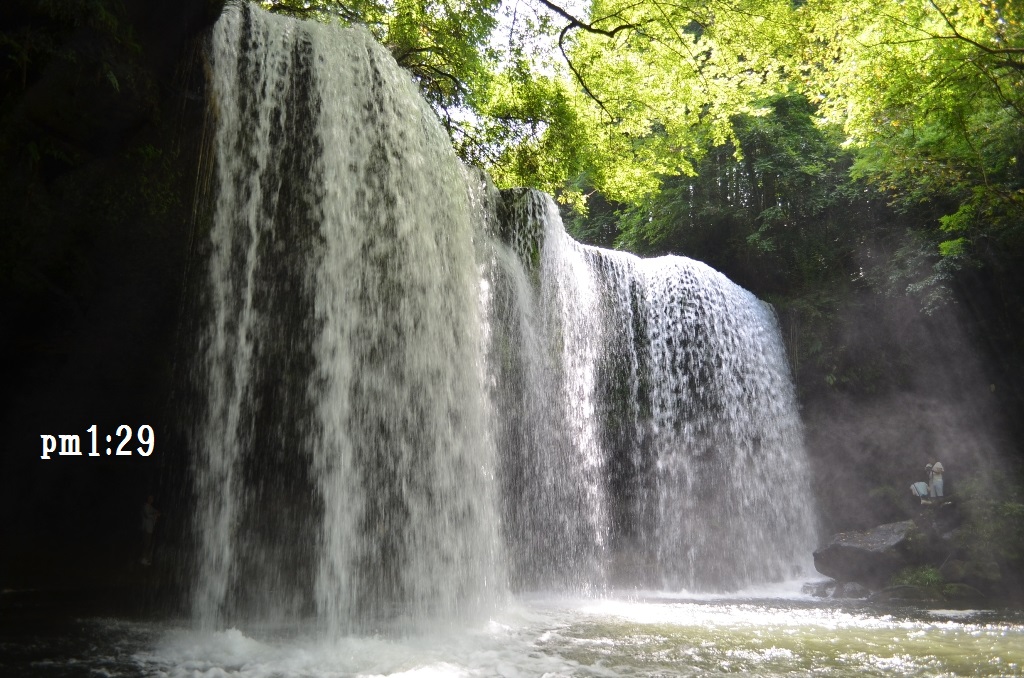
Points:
x=121, y=443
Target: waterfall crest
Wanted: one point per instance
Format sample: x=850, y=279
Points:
x=422, y=394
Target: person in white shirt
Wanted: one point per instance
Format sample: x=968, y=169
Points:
x=935, y=479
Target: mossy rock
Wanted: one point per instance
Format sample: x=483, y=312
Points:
x=924, y=576
x=953, y=570
x=907, y=593
x=962, y=593
x=987, y=572
x=851, y=590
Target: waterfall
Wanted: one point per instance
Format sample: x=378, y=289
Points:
x=344, y=462
x=422, y=394
x=662, y=444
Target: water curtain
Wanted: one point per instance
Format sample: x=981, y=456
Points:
x=423, y=396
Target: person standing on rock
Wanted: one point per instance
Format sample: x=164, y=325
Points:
x=935, y=479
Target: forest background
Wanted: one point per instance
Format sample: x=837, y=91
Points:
x=858, y=164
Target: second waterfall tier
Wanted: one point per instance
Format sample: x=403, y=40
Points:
x=646, y=418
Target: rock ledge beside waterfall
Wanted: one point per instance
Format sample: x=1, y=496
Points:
x=869, y=557
x=867, y=563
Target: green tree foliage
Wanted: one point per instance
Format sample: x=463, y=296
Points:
x=627, y=93
x=994, y=516
x=931, y=94
x=660, y=83
x=774, y=213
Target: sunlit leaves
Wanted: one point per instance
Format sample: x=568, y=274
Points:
x=659, y=82
x=768, y=216
x=931, y=92
x=619, y=95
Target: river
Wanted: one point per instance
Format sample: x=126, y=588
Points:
x=767, y=633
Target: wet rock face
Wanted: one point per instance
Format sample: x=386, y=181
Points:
x=907, y=594
x=99, y=145
x=869, y=557
x=98, y=69
x=851, y=590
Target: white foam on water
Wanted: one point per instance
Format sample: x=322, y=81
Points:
x=791, y=589
x=557, y=636
x=501, y=647
x=954, y=614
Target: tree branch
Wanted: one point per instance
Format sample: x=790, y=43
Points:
x=573, y=23
x=588, y=27
x=424, y=70
x=997, y=86
x=996, y=51
x=577, y=74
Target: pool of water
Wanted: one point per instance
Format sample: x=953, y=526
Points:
x=626, y=635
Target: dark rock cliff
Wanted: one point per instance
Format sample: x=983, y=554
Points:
x=101, y=110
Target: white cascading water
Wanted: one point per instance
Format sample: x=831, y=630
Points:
x=346, y=442
x=686, y=445
x=422, y=393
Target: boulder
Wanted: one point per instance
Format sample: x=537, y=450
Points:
x=983, y=574
x=953, y=571
x=869, y=557
x=962, y=593
x=819, y=589
x=907, y=594
x=851, y=590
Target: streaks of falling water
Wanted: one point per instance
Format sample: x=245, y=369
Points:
x=680, y=460
x=421, y=392
x=343, y=282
